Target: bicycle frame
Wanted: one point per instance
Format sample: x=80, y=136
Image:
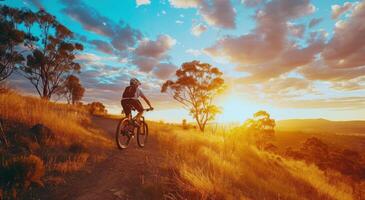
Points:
x=140, y=141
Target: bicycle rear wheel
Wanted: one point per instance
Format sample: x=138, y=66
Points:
x=122, y=138
x=142, y=134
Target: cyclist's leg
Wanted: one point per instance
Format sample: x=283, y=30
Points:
x=127, y=108
x=138, y=106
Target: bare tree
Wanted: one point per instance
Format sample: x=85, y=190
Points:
x=195, y=88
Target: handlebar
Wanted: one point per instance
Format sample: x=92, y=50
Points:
x=148, y=109
x=145, y=109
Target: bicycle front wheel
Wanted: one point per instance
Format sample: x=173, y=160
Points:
x=121, y=135
x=142, y=134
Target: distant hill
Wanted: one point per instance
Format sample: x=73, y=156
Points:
x=322, y=126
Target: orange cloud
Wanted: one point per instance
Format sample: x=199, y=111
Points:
x=267, y=52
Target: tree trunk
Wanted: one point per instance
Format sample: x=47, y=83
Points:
x=45, y=93
x=3, y=136
x=201, y=126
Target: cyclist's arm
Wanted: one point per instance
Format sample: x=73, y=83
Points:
x=146, y=100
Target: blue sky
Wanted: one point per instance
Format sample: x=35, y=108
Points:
x=286, y=56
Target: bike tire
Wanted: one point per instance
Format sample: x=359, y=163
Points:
x=121, y=139
x=142, y=135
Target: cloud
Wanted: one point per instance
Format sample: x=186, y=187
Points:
x=352, y=85
x=184, y=3
x=320, y=71
x=102, y=46
x=267, y=48
x=338, y=10
x=353, y=102
x=194, y=52
x=346, y=49
x=252, y=3
x=314, y=22
x=149, y=54
x=276, y=89
x=156, y=49
x=218, y=13
x=280, y=88
x=164, y=70
x=121, y=34
x=142, y=2
x=198, y=29
x=215, y=12
x=296, y=30
x=145, y=64
x=88, y=59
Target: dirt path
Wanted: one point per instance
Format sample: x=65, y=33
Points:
x=134, y=173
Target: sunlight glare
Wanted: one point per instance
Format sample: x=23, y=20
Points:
x=235, y=108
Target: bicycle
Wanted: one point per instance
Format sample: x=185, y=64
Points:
x=126, y=131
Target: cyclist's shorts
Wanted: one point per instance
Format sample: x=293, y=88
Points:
x=131, y=104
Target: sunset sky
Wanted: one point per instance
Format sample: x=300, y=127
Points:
x=293, y=58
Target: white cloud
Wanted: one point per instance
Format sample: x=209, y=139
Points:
x=194, y=52
x=184, y=3
x=142, y=2
x=198, y=29
x=218, y=13
x=338, y=10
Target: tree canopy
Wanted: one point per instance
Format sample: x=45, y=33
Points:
x=10, y=39
x=262, y=126
x=72, y=89
x=195, y=88
x=48, y=45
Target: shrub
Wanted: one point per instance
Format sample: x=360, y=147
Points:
x=19, y=173
x=77, y=148
x=185, y=124
x=41, y=133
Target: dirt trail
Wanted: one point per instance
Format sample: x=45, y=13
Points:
x=133, y=173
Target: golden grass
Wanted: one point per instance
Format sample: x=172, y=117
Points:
x=66, y=121
x=75, y=141
x=72, y=164
x=222, y=164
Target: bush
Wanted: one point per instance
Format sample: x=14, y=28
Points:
x=77, y=148
x=41, y=133
x=19, y=173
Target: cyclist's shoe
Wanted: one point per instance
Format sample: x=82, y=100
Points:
x=126, y=132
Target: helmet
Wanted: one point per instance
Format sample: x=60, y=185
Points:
x=134, y=81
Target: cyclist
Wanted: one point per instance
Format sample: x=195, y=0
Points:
x=130, y=100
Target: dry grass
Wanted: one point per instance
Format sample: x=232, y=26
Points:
x=71, y=164
x=66, y=121
x=73, y=144
x=221, y=164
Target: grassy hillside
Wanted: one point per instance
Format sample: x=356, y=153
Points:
x=42, y=141
x=222, y=164
x=322, y=126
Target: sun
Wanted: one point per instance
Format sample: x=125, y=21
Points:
x=235, y=108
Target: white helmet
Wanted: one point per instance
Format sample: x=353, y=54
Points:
x=134, y=81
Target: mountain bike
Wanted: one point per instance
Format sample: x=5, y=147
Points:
x=127, y=129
